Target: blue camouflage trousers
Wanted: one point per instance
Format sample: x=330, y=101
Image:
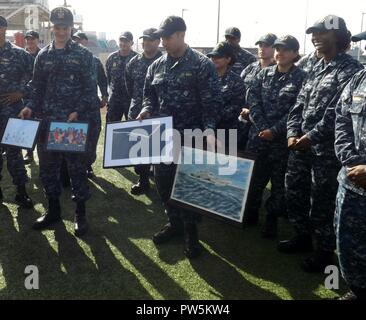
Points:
x=118, y=109
x=311, y=189
x=49, y=171
x=164, y=180
x=350, y=226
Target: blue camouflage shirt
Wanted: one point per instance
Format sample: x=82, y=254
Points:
x=314, y=112
x=136, y=71
x=243, y=59
x=116, y=68
x=233, y=94
x=63, y=82
x=16, y=68
x=187, y=89
x=271, y=97
x=350, y=144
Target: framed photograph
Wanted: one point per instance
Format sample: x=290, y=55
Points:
x=134, y=143
x=67, y=137
x=213, y=184
x=21, y=133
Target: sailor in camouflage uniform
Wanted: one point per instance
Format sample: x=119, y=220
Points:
x=32, y=47
x=135, y=80
x=119, y=101
x=308, y=62
x=16, y=66
x=182, y=83
x=94, y=117
x=266, y=59
x=232, y=89
x=243, y=57
x=270, y=99
x=311, y=180
x=63, y=90
x=350, y=219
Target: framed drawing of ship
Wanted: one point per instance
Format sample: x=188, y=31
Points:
x=213, y=184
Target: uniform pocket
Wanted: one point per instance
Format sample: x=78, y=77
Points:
x=358, y=114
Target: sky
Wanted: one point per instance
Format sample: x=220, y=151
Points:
x=254, y=18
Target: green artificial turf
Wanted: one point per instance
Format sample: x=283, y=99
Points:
x=117, y=259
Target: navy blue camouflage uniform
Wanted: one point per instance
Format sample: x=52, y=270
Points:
x=243, y=59
x=136, y=71
x=187, y=89
x=350, y=218
x=63, y=83
x=248, y=75
x=94, y=117
x=271, y=97
x=311, y=179
x=233, y=94
x=308, y=62
x=16, y=67
x=119, y=101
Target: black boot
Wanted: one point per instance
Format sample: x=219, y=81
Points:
x=22, y=198
x=90, y=173
x=142, y=187
x=270, y=229
x=29, y=159
x=169, y=232
x=81, y=224
x=52, y=216
x=318, y=262
x=298, y=244
x=193, y=248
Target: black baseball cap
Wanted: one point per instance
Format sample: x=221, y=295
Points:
x=150, y=34
x=288, y=42
x=170, y=26
x=359, y=37
x=62, y=16
x=3, y=22
x=81, y=36
x=330, y=22
x=223, y=49
x=268, y=39
x=32, y=34
x=127, y=35
x=233, y=32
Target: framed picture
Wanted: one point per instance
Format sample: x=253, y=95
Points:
x=213, y=184
x=134, y=143
x=21, y=133
x=67, y=137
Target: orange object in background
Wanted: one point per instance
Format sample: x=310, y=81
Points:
x=19, y=39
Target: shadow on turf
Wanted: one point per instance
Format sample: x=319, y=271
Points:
x=70, y=272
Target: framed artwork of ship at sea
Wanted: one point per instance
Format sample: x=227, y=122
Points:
x=213, y=184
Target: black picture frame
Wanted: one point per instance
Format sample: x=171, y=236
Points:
x=35, y=134
x=244, y=156
x=67, y=124
x=123, y=123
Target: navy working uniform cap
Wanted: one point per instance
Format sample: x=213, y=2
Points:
x=32, y=34
x=150, y=34
x=328, y=23
x=359, y=37
x=233, y=32
x=80, y=35
x=127, y=35
x=62, y=16
x=268, y=39
x=288, y=42
x=170, y=26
